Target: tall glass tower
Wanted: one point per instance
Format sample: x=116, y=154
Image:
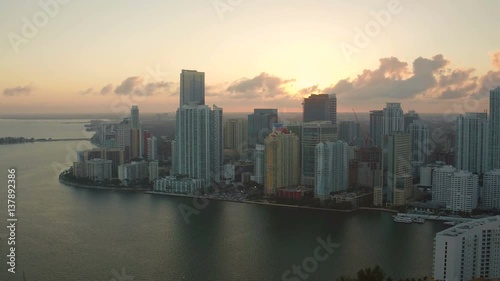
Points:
x=192, y=88
x=494, y=130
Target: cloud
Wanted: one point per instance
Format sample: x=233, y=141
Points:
x=107, y=89
x=262, y=86
x=136, y=86
x=18, y=91
x=427, y=79
x=87, y=91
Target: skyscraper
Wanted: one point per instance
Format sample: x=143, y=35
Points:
x=332, y=168
x=152, y=148
x=463, y=191
x=472, y=142
x=469, y=250
x=235, y=134
x=281, y=160
x=198, y=145
x=393, y=118
x=259, y=164
x=377, y=127
x=348, y=131
x=396, y=179
x=321, y=107
x=441, y=183
x=409, y=118
x=494, y=130
x=192, y=88
x=260, y=124
x=312, y=134
x=134, y=117
x=419, y=134
x=491, y=189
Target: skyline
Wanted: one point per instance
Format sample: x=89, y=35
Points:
x=86, y=58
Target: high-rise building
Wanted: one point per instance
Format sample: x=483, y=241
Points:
x=259, y=164
x=198, y=149
x=409, y=118
x=494, y=130
x=332, y=168
x=135, y=143
x=396, y=162
x=468, y=251
x=134, y=117
x=98, y=169
x=441, y=183
x=133, y=172
x=281, y=160
x=366, y=167
x=348, y=131
x=152, y=148
x=419, y=134
x=464, y=187
x=153, y=171
x=491, y=189
x=235, y=135
x=321, y=107
x=393, y=118
x=260, y=124
x=192, y=87
x=312, y=134
x=472, y=142
x=377, y=127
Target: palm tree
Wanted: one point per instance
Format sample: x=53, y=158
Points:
x=369, y=274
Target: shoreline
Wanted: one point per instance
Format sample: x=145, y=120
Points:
x=72, y=184
x=147, y=191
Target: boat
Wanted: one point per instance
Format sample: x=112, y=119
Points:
x=403, y=219
x=419, y=220
x=450, y=223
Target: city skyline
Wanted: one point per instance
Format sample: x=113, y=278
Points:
x=103, y=68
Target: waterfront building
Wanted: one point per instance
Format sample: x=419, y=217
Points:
x=426, y=174
x=198, y=146
x=312, y=134
x=468, y=250
x=259, y=164
x=133, y=171
x=179, y=185
x=332, y=168
x=491, y=189
x=281, y=160
x=472, y=142
x=419, y=135
x=397, y=180
x=464, y=190
x=117, y=157
x=153, y=171
x=98, y=169
x=441, y=183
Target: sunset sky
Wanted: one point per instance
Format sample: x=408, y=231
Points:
x=96, y=56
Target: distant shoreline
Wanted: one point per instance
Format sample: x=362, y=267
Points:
x=147, y=191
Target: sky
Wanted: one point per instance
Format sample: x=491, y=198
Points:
x=90, y=56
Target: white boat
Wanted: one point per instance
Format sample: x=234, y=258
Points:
x=450, y=223
x=419, y=220
x=403, y=219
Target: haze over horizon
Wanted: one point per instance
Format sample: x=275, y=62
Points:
x=93, y=56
